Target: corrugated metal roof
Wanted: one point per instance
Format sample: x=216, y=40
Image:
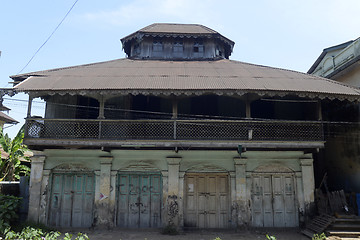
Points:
x=6, y=118
x=182, y=76
x=176, y=28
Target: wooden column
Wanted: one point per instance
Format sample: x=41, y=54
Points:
x=29, y=106
x=101, y=107
x=319, y=111
x=174, y=108
x=248, y=108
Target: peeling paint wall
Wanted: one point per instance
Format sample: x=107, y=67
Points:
x=173, y=168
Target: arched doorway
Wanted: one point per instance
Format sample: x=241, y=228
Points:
x=206, y=203
x=273, y=197
x=139, y=197
x=71, y=198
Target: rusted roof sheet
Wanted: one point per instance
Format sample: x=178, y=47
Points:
x=7, y=119
x=184, y=77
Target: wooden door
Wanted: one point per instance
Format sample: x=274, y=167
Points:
x=139, y=200
x=206, y=201
x=71, y=200
x=273, y=201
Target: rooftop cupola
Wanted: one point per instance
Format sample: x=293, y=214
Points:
x=177, y=42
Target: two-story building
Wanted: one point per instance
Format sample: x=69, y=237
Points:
x=176, y=133
x=342, y=153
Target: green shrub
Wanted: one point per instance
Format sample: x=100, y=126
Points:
x=30, y=233
x=270, y=237
x=80, y=236
x=9, y=206
x=321, y=236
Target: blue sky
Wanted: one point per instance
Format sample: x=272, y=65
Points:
x=280, y=33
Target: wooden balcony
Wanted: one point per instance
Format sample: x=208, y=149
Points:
x=210, y=133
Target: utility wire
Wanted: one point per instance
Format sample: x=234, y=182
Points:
x=49, y=36
x=84, y=108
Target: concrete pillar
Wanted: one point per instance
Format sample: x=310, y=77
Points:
x=164, y=212
x=308, y=182
x=104, y=217
x=45, y=190
x=234, y=204
x=173, y=191
x=181, y=197
x=113, y=191
x=36, y=175
x=300, y=196
x=240, y=187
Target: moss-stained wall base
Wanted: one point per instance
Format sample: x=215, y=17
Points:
x=236, y=178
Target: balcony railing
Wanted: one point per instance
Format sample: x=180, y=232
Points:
x=215, y=130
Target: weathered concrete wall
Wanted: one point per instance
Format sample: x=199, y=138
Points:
x=342, y=158
x=173, y=167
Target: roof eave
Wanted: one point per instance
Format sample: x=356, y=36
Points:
x=195, y=92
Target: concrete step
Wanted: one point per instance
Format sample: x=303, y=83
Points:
x=347, y=220
x=345, y=234
x=344, y=226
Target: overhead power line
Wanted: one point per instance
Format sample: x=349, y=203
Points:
x=49, y=36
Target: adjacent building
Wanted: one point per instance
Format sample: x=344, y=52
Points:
x=4, y=118
x=175, y=134
x=341, y=156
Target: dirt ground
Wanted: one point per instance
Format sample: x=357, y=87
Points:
x=121, y=234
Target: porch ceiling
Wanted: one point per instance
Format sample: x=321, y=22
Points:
x=159, y=77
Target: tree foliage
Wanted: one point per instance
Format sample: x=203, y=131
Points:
x=11, y=166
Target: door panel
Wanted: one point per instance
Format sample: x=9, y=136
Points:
x=273, y=201
x=257, y=205
x=206, y=200
x=290, y=210
x=267, y=202
x=71, y=200
x=139, y=200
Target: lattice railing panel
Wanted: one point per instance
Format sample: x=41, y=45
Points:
x=137, y=130
x=193, y=130
x=175, y=130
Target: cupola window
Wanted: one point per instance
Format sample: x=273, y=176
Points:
x=136, y=50
x=178, y=46
x=157, y=46
x=198, y=46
